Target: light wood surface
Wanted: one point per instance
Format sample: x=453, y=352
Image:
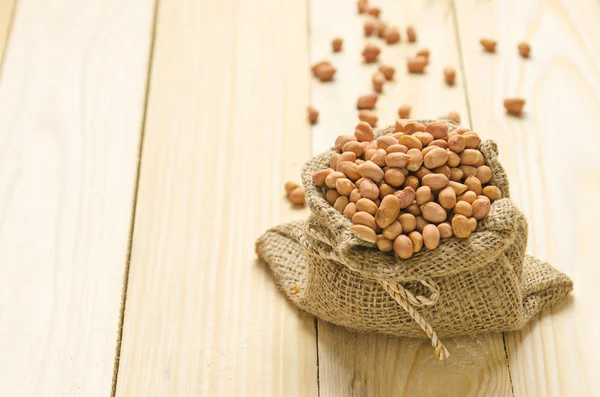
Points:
x=352, y=364
x=550, y=155
x=71, y=107
x=226, y=127
x=170, y=140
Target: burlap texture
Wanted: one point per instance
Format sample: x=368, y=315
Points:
x=486, y=281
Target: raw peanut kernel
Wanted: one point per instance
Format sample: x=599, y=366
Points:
x=412, y=182
x=394, y=177
x=481, y=208
x=336, y=44
x=318, y=177
x=447, y=197
x=411, y=127
x=403, y=246
x=344, y=186
x=524, y=49
x=374, y=11
x=363, y=6
x=350, y=210
x=369, y=28
x=388, y=71
x=489, y=45
x=383, y=142
x=473, y=224
x=484, y=173
x=460, y=226
x=453, y=160
x=388, y=211
x=433, y=212
x=408, y=222
x=392, y=35
x=368, y=116
x=431, y=236
x=398, y=160
x=410, y=142
x=435, y=181
x=469, y=197
x=421, y=223
x=468, y=170
x=371, y=53
x=313, y=115
x=332, y=178
x=416, y=64
x=421, y=172
x=458, y=188
x=456, y=174
x=364, y=233
x=363, y=131
x=405, y=196
x=454, y=116
x=439, y=143
x=411, y=34
x=415, y=159
x=403, y=113
x=370, y=170
x=289, y=186
x=437, y=129
x=417, y=240
x=333, y=160
x=392, y=231
x=366, y=205
x=463, y=208
x=492, y=192
x=347, y=156
x=367, y=101
x=396, y=148
x=377, y=81
x=435, y=158
x=386, y=190
x=355, y=195
x=472, y=140
x=365, y=219
x=325, y=72
x=413, y=209
x=380, y=28
x=514, y=105
x=425, y=137
x=424, y=53
x=368, y=189
x=457, y=143
x=470, y=156
x=331, y=196
x=341, y=203
x=355, y=147
x=445, y=230
x=423, y=195
x=473, y=184
x=297, y=196
x=384, y=244
x=379, y=157
x=341, y=140
x=449, y=75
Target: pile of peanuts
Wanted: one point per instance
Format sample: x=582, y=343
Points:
x=410, y=188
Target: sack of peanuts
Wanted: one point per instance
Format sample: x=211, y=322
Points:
x=412, y=232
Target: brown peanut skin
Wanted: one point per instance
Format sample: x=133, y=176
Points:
x=363, y=132
x=431, y=236
x=368, y=189
x=417, y=240
x=445, y=230
x=492, y=192
x=392, y=231
x=366, y=205
x=404, y=112
x=403, y=246
x=433, y=212
x=350, y=210
x=447, y=197
x=481, y=208
x=331, y=196
x=388, y=211
x=461, y=226
x=408, y=222
x=364, y=233
x=384, y=244
x=341, y=203
x=405, y=196
x=364, y=218
x=463, y=208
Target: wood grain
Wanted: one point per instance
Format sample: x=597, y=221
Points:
x=550, y=156
x=71, y=106
x=6, y=16
x=226, y=127
x=375, y=365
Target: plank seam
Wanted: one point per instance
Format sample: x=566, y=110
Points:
x=117, y=360
x=512, y=387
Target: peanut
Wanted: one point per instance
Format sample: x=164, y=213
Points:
x=396, y=148
x=456, y=174
x=458, y=188
x=385, y=190
x=435, y=158
x=453, y=159
x=380, y=28
x=366, y=205
x=425, y=137
x=417, y=240
x=371, y=53
x=454, y=116
x=411, y=34
x=492, y=192
x=364, y=218
x=457, y=143
x=413, y=209
x=374, y=11
x=369, y=169
x=460, y=226
x=400, y=126
x=383, y=142
x=424, y=53
x=368, y=189
x=350, y=210
x=410, y=142
x=367, y=101
x=431, y=236
x=403, y=246
x=470, y=157
x=421, y=172
x=355, y=195
x=377, y=81
x=289, y=186
x=439, y=143
x=445, y=230
x=433, y=212
x=341, y=140
x=423, y=195
x=392, y=231
x=411, y=127
x=435, y=181
x=416, y=64
x=388, y=211
x=404, y=112
x=368, y=28
x=481, y=208
x=489, y=45
x=398, y=160
x=442, y=169
x=463, y=208
x=469, y=197
x=473, y=224
x=325, y=72
x=437, y=129
x=384, y=244
x=379, y=157
x=332, y=178
x=364, y=130
x=336, y=44
x=472, y=140
x=484, y=173
x=468, y=170
x=514, y=106
x=524, y=49
x=394, y=177
x=449, y=75
x=341, y=203
x=412, y=182
x=318, y=177
x=313, y=115
x=408, y=222
x=364, y=233
x=388, y=71
x=349, y=169
x=447, y=197
x=392, y=35
x=331, y=196
x=347, y=156
x=344, y=186
x=333, y=160
x=297, y=196
x=421, y=223
x=473, y=184
x=405, y=196
x=363, y=6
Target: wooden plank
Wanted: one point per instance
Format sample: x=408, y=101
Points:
x=554, y=182
x=375, y=365
x=71, y=108
x=6, y=16
x=226, y=127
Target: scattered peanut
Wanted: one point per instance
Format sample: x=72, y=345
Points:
x=411, y=34
x=367, y=101
x=424, y=53
x=363, y=6
x=416, y=64
x=369, y=28
x=524, y=49
x=489, y=45
x=336, y=44
x=313, y=115
x=414, y=187
x=368, y=116
x=289, y=187
x=514, y=105
x=324, y=71
x=388, y=71
x=297, y=196
x=374, y=11
x=378, y=80
x=371, y=53
x=449, y=75
x=380, y=28
x=403, y=112
x=392, y=35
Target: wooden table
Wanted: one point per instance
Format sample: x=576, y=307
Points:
x=144, y=146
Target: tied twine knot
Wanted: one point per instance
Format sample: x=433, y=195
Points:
x=405, y=298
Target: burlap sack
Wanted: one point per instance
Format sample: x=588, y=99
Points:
x=484, y=283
